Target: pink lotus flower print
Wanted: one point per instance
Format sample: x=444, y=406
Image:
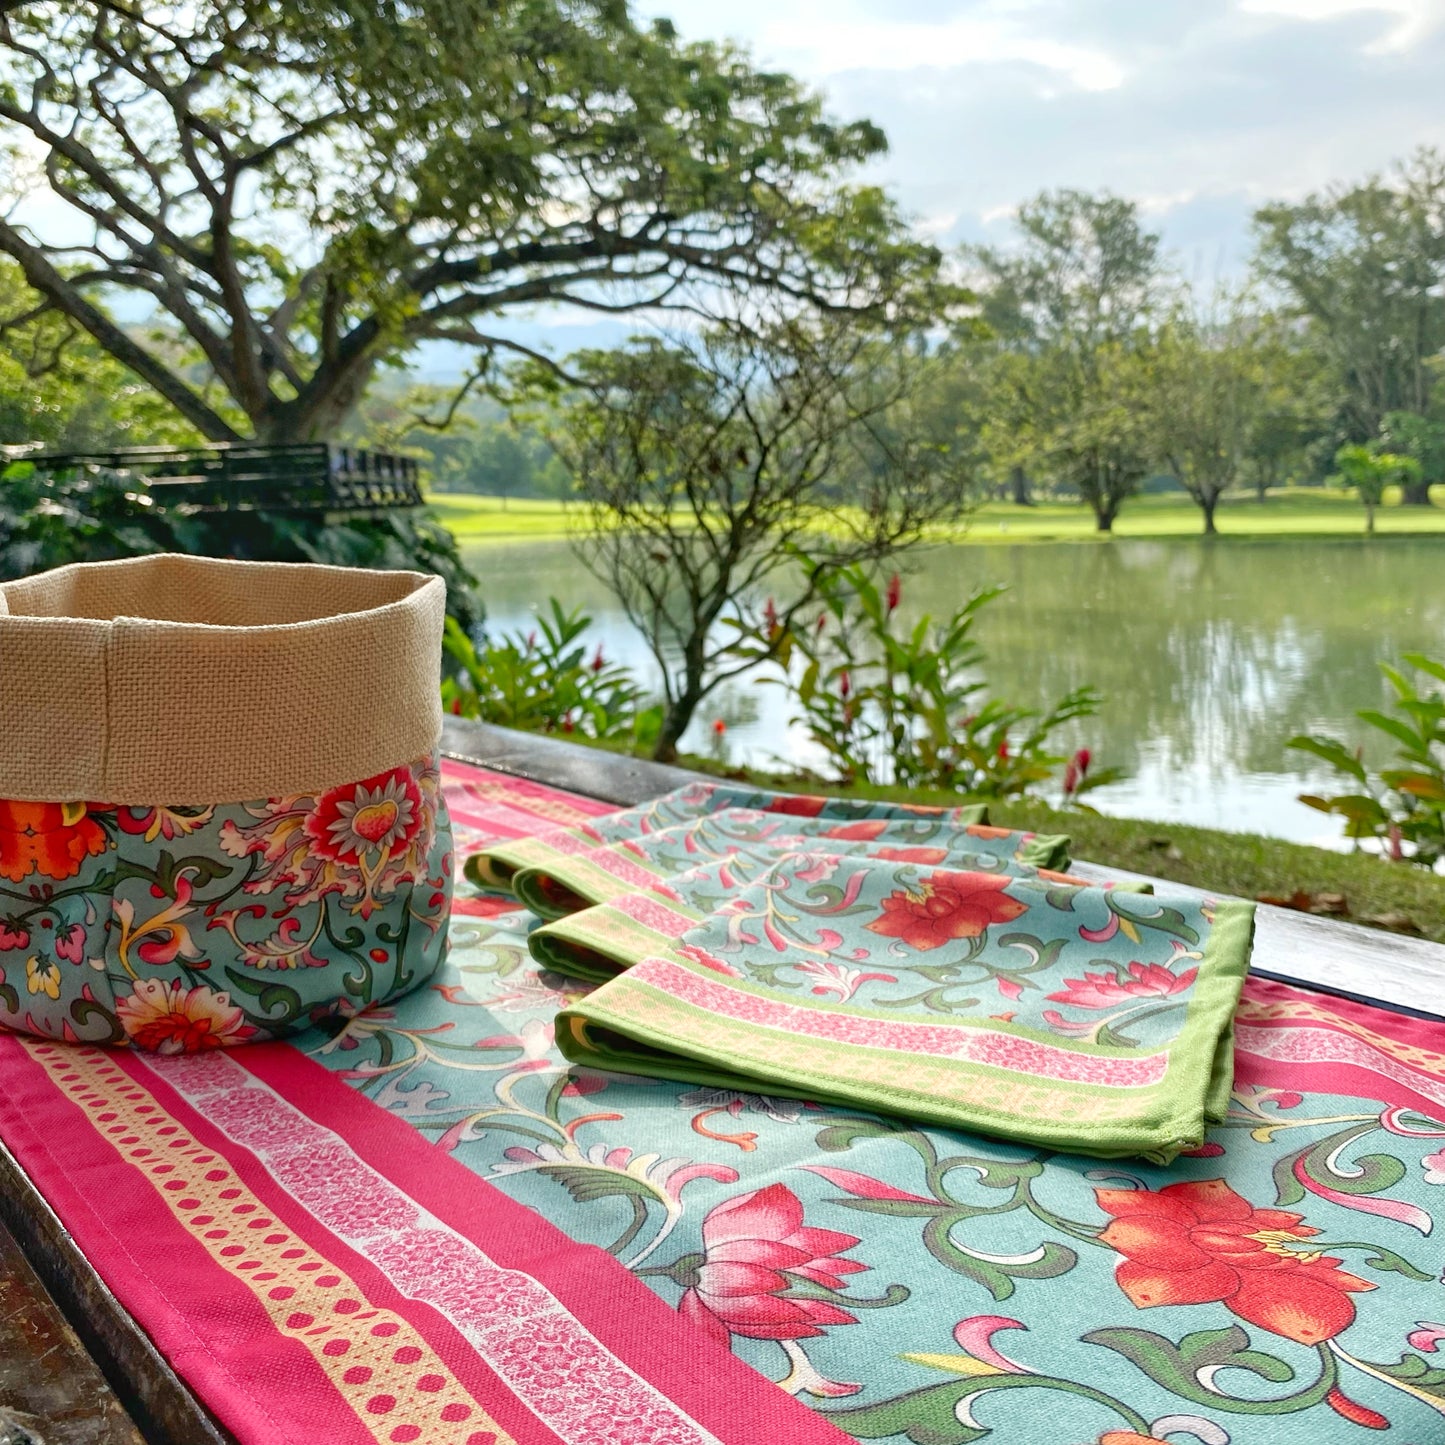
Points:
x=757, y=1246
x=1105, y=990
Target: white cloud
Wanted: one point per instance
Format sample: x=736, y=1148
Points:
x=1412, y=18
x=1199, y=109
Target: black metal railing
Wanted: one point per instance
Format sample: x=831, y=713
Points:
x=299, y=477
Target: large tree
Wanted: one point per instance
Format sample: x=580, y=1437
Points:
x=1069, y=303
x=1366, y=265
x=303, y=189
x=1209, y=395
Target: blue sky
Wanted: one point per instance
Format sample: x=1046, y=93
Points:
x=1198, y=109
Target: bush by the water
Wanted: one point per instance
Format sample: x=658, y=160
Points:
x=887, y=702
x=88, y=513
x=548, y=680
x=1401, y=807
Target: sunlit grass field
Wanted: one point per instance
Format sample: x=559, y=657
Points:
x=1294, y=512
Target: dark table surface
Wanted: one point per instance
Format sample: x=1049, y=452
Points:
x=76, y=1369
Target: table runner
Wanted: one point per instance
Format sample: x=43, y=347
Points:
x=1279, y=1287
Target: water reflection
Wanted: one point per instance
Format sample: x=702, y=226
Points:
x=1209, y=657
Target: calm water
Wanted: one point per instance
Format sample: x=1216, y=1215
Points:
x=1209, y=656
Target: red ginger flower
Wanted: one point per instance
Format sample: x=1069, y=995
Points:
x=1201, y=1243
x=948, y=906
x=756, y=1247
x=895, y=591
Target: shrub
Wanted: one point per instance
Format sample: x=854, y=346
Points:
x=1403, y=806
x=549, y=680
x=88, y=513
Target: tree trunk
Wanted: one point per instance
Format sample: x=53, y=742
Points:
x=1369, y=519
x=1207, y=503
x=1415, y=494
x=1019, y=483
x=674, y=722
x=1104, y=518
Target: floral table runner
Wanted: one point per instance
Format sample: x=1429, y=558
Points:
x=750, y=1267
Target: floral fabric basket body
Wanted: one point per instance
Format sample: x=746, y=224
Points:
x=220, y=807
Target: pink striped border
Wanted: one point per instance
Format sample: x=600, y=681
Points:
x=990, y=1047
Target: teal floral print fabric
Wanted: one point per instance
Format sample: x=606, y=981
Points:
x=1278, y=1285
x=183, y=929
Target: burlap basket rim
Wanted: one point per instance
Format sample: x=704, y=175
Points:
x=179, y=680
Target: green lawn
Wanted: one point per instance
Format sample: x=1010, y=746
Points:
x=1293, y=512
x=474, y=518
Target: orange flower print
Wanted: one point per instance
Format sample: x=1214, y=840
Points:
x=169, y=1018
x=52, y=839
x=948, y=906
x=1201, y=1243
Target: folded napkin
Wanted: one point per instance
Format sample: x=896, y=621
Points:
x=598, y=942
x=753, y=837
x=1071, y=1017
x=498, y=865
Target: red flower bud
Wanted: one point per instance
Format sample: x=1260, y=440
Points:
x=1071, y=780
x=457, y=706
x=1397, y=845
x=719, y=727
x=895, y=591
x=1355, y=1412
x=1003, y=751
x=822, y=622
x=845, y=684
x=567, y=722
x=597, y=660
x=1082, y=759
x=770, y=616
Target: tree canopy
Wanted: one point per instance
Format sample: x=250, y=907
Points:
x=304, y=189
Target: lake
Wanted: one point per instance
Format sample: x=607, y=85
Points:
x=1209, y=656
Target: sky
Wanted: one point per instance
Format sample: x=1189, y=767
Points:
x=1199, y=110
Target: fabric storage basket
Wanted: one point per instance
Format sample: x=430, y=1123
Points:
x=221, y=815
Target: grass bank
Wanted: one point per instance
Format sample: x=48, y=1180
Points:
x=1374, y=892
x=1288, y=512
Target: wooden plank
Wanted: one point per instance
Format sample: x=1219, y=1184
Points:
x=51, y=1391
x=146, y=1386
x=1364, y=963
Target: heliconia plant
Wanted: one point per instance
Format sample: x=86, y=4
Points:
x=887, y=702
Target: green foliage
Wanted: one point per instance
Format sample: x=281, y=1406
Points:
x=1369, y=471
x=1364, y=263
x=1405, y=804
x=303, y=192
x=548, y=680
x=90, y=514
x=891, y=703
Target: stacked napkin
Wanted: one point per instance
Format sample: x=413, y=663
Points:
x=914, y=963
